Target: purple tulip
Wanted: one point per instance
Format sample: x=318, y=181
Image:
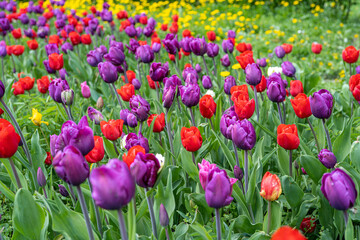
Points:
x=261, y=62
x=190, y=94
x=63, y=73
x=106, y=15
x=190, y=71
x=145, y=54
x=185, y=44
x=95, y=115
x=163, y=216
x=288, y=69
x=41, y=22
x=168, y=96
x=63, y=191
x=227, y=46
x=24, y=18
x=43, y=32
x=130, y=31
x=102, y=50
x=275, y=88
x=85, y=90
x=133, y=45
x=123, y=115
x=321, y=104
x=148, y=31
x=108, y=72
x=280, y=52
x=113, y=187
x=70, y=165
x=156, y=47
x=144, y=169
x=253, y=74
x=51, y=48
x=4, y=24
x=339, y=189
x=56, y=87
x=229, y=83
x=171, y=44
x=198, y=68
x=218, y=189
x=93, y=58
x=67, y=47
x=131, y=119
x=243, y=134
x=173, y=80
x=228, y=119
x=136, y=83
x=60, y=23
x=238, y=173
x=28, y=33
x=115, y=56
x=198, y=46
x=3, y=52
x=206, y=82
x=212, y=50
x=327, y=158
x=158, y=71
x=231, y=34
x=140, y=107
x=133, y=140
x=357, y=69
x=225, y=61
x=41, y=177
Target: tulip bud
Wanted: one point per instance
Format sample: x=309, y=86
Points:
x=303, y=171
x=327, y=158
x=321, y=104
x=95, y=115
x=270, y=187
x=100, y=103
x=280, y=52
x=163, y=216
x=41, y=177
x=253, y=74
x=288, y=69
x=131, y=120
x=308, y=225
x=67, y=97
x=136, y=83
x=238, y=173
x=85, y=90
x=63, y=191
x=206, y=81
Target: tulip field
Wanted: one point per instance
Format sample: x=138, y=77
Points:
x=177, y=120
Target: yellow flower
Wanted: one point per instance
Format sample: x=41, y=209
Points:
x=236, y=66
x=224, y=74
x=36, y=118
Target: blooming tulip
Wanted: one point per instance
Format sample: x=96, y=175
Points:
x=191, y=138
x=97, y=153
x=112, y=129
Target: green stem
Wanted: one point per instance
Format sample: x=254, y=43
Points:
x=256, y=104
x=122, y=226
x=269, y=218
x=327, y=135
x=290, y=163
x=314, y=134
x=152, y=216
x=246, y=171
x=85, y=212
x=169, y=135
x=15, y=173
x=218, y=224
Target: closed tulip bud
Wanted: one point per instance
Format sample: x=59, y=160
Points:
x=316, y=48
x=130, y=31
x=67, y=97
x=108, y=72
x=245, y=59
x=301, y=105
x=287, y=47
x=287, y=136
x=212, y=50
x=85, y=90
x=51, y=48
x=133, y=140
x=218, y=189
x=48, y=68
x=280, y=52
x=321, y=103
x=206, y=82
x=261, y=62
x=136, y=83
x=350, y=54
x=238, y=173
x=227, y=46
x=198, y=46
x=156, y=47
x=288, y=69
x=113, y=186
x=296, y=87
x=231, y=34
x=115, y=56
x=63, y=191
x=275, y=88
x=70, y=165
x=97, y=153
x=270, y=187
x=41, y=177
x=190, y=75
x=185, y=44
x=228, y=119
x=190, y=94
x=168, y=96
x=253, y=74
x=163, y=216
x=132, y=120
x=191, y=138
x=207, y=106
x=94, y=58
x=100, y=103
x=198, y=68
x=286, y=232
x=158, y=71
x=145, y=169
x=225, y=61
x=229, y=83
x=56, y=87
x=339, y=189
x=140, y=107
x=327, y=158
x=126, y=92
x=95, y=115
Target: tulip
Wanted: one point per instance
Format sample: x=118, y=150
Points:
x=43, y=85
x=354, y=85
x=67, y=97
x=159, y=71
x=133, y=140
x=112, y=129
x=191, y=138
x=288, y=69
x=207, y=107
x=243, y=134
x=56, y=87
x=229, y=83
x=227, y=121
x=276, y=88
x=238, y=173
x=108, y=72
x=133, y=151
x=75, y=38
x=144, y=169
x=350, y=54
x=316, y=48
x=270, y=187
x=253, y=74
x=70, y=165
x=286, y=232
x=327, y=158
x=51, y=48
x=66, y=47
x=56, y=61
x=212, y=50
x=140, y=107
x=63, y=191
x=308, y=225
x=198, y=46
x=261, y=86
x=225, y=61
x=126, y=92
x=190, y=75
x=279, y=51
x=287, y=136
x=164, y=218
x=97, y=153
x=185, y=44
x=159, y=123
x=190, y=94
x=144, y=54
x=206, y=82
x=9, y=139
x=204, y=168
x=85, y=90
x=94, y=58
x=95, y=115
x=244, y=107
x=171, y=44
x=32, y=44
x=198, y=68
x=227, y=46
x=41, y=177
x=296, y=87
x=261, y=62
x=211, y=36
x=245, y=59
x=115, y=56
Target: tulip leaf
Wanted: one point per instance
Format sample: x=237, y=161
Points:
x=349, y=231
x=283, y=160
x=342, y=143
x=303, y=210
x=7, y=192
x=244, y=224
x=313, y=167
x=29, y=219
x=292, y=191
x=276, y=214
x=201, y=231
x=188, y=165
x=225, y=149
x=109, y=148
x=11, y=174
x=270, y=133
x=259, y=236
x=339, y=223
x=38, y=154
x=354, y=155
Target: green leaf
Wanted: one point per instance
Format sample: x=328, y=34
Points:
x=109, y=148
x=38, y=154
x=354, y=154
x=276, y=210
x=283, y=160
x=201, y=230
x=342, y=143
x=7, y=192
x=313, y=167
x=243, y=224
x=188, y=165
x=292, y=191
x=225, y=149
x=10, y=172
x=29, y=219
x=349, y=231
x=259, y=236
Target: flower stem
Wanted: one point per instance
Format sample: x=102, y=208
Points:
x=246, y=172
x=280, y=115
x=215, y=70
x=26, y=149
x=313, y=132
x=140, y=127
x=122, y=225
x=193, y=157
x=125, y=75
x=152, y=216
x=67, y=112
x=157, y=91
x=284, y=109
x=211, y=124
x=346, y=218
x=85, y=212
x=169, y=134
x=97, y=212
x=256, y=104
x=176, y=67
x=290, y=163
x=45, y=192
x=192, y=117
x=327, y=135
x=15, y=173
x=269, y=218
x=72, y=194
x=117, y=95
x=167, y=234
x=191, y=60
x=206, y=68
x=218, y=223
x=2, y=69
x=230, y=102
x=116, y=150
x=236, y=154
x=138, y=67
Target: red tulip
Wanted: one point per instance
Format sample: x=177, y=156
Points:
x=56, y=61
x=207, y=106
x=159, y=124
x=301, y=105
x=130, y=76
x=175, y=17
x=27, y=83
x=18, y=88
x=287, y=47
x=32, y=44
x=133, y=151
x=126, y=92
x=241, y=47
x=16, y=33
x=121, y=14
x=43, y=84
x=191, y=138
x=262, y=85
x=308, y=225
x=55, y=39
x=97, y=153
x=9, y=139
x=350, y=54
x=86, y=39
x=112, y=129
x=143, y=20
x=211, y=36
x=296, y=87
x=17, y=50
x=270, y=187
x=152, y=82
x=74, y=38
x=354, y=85
x=287, y=233
x=287, y=136
x=245, y=58
x=48, y=159
x=186, y=33
x=1, y=112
